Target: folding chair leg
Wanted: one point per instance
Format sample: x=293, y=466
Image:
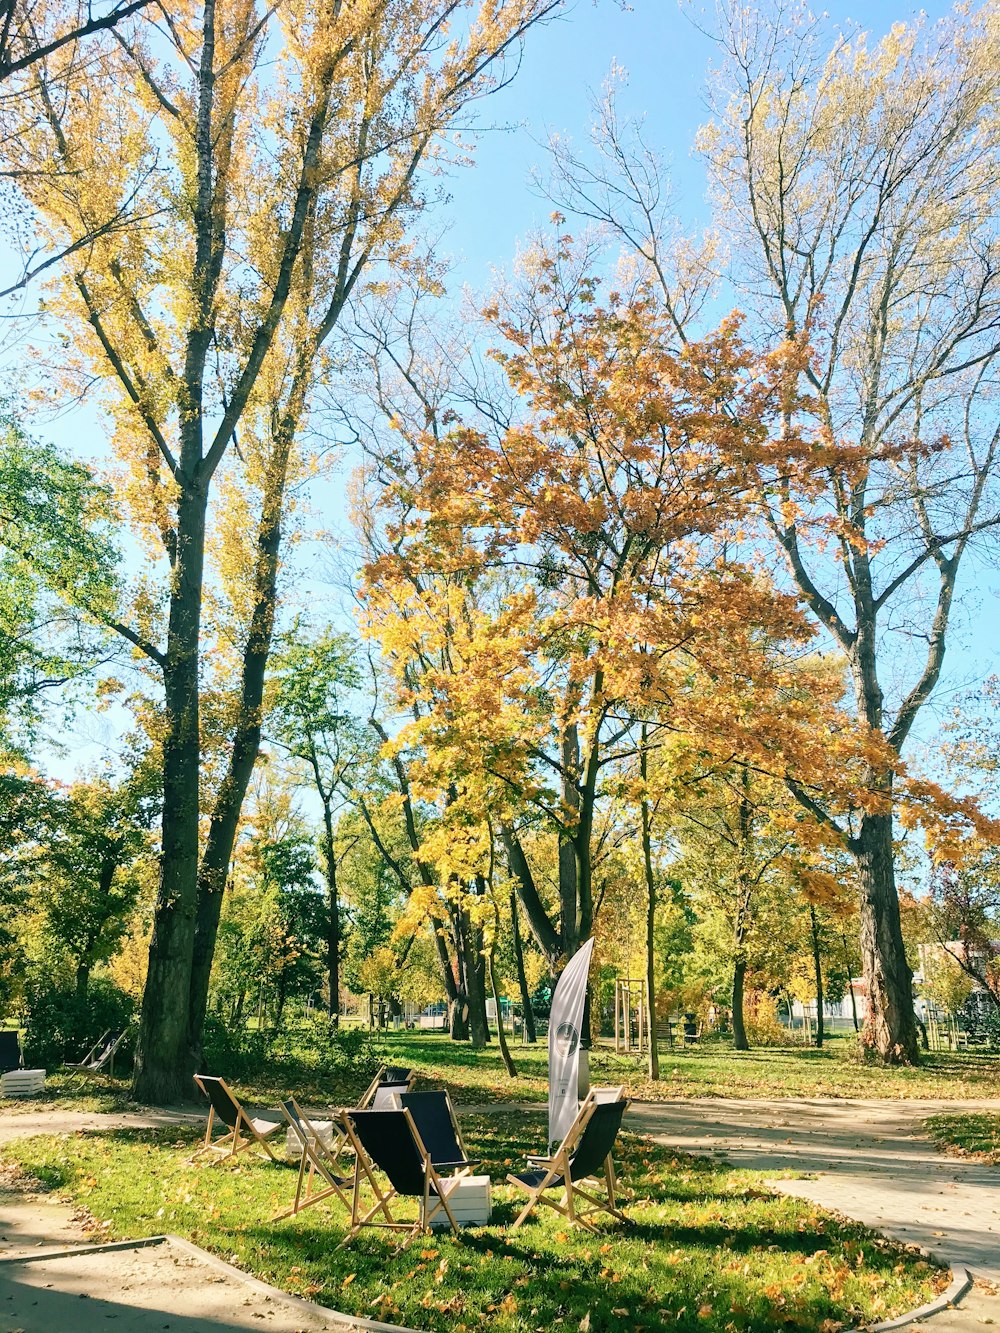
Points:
x=609, y=1176
x=535, y=1195
x=382, y=1206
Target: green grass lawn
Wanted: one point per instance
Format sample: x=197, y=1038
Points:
x=708, y=1249
x=972, y=1134
x=67, y=1092
x=713, y=1069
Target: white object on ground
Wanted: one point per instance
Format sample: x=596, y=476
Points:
x=471, y=1201
x=324, y=1133
x=22, y=1083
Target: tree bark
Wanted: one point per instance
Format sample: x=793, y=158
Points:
x=850, y=981
x=740, y=1042
x=889, y=1026
x=218, y=854
x=818, y=972
x=162, y=1061
x=545, y=933
x=505, y=1055
x=647, y=863
x=332, y=934
x=475, y=981
x=530, y=1034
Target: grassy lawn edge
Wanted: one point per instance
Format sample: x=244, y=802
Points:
x=709, y=1248
x=971, y=1134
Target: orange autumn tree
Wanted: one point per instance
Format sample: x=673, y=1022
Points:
x=539, y=587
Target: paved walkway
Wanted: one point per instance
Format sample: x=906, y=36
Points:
x=869, y=1158
x=143, y=1289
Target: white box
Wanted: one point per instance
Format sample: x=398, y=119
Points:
x=324, y=1133
x=470, y=1201
x=22, y=1083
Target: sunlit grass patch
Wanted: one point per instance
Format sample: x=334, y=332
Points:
x=708, y=1248
x=71, y=1092
x=967, y=1134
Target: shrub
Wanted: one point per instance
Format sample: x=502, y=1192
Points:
x=299, y=1051
x=763, y=1026
x=61, y=1025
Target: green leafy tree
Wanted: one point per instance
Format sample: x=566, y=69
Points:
x=310, y=719
x=55, y=545
x=88, y=869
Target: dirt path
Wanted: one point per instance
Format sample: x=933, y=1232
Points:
x=21, y=1125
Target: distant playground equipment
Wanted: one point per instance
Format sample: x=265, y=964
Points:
x=631, y=1016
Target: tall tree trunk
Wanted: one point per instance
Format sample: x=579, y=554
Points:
x=332, y=911
x=213, y=871
x=505, y=1055
x=449, y=975
x=163, y=1067
x=475, y=981
x=546, y=936
x=82, y=981
x=850, y=981
x=530, y=1034
x=818, y=972
x=889, y=1026
x=460, y=1013
x=647, y=863
x=333, y=942
x=740, y=1042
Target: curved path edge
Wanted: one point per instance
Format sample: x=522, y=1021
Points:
x=765, y=1131
x=274, y=1295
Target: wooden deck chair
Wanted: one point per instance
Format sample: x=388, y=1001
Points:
x=381, y=1095
x=10, y=1051
x=395, y=1077
x=318, y=1179
x=390, y=1142
x=242, y=1130
x=583, y=1155
x=437, y=1125
x=100, y=1054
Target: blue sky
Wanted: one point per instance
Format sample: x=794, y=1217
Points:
x=666, y=60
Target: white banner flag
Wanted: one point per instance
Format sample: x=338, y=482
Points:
x=565, y=1022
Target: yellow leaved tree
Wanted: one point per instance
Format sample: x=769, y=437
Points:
x=273, y=154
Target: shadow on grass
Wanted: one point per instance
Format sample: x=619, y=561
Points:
x=706, y=1248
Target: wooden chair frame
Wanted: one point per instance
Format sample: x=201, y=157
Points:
x=558, y=1167
x=368, y=1096
x=94, y=1064
x=436, y=1191
x=244, y=1134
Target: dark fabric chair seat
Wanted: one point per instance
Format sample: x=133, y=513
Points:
x=10, y=1051
x=532, y=1179
x=243, y=1130
x=390, y=1078
x=437, y=1125
x=389, y=1141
